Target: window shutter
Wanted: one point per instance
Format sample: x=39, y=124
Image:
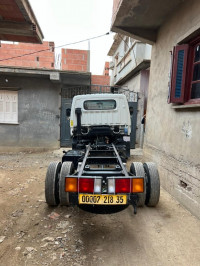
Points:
x=8, y=106
x=179, y=73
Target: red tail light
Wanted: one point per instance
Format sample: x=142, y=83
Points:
x=86, y=185
x=123, y=185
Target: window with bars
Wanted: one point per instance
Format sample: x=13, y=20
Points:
x=8, y=107
x=185, y=78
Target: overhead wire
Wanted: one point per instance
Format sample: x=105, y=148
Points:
x=55, y=47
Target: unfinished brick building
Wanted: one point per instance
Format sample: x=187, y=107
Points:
x=41, y=56
x=76, y=60
x=38, y=55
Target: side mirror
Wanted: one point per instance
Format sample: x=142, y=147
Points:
x=68, y=112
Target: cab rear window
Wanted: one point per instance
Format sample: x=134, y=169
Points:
x=99, y=105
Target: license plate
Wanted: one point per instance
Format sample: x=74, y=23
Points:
x=102, y=199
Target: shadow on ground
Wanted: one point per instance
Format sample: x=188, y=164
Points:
x=102, y=209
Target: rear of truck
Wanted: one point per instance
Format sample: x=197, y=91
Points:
x=94, y=172
x=100, y=119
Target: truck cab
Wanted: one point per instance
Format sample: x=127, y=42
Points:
x=100, y=118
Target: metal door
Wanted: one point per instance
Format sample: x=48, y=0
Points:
x=65, y=138
x=133, y=114
x=67, y=95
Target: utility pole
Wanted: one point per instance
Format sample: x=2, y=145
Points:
x=88, y=61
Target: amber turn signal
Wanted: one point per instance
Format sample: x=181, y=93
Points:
x=137, y=185
x=71, y=184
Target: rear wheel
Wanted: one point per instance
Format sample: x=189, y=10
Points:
x=153, y=184
x=138, y=170
x=51, y=184
x=67, y=169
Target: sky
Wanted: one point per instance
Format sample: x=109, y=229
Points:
x=67, y=21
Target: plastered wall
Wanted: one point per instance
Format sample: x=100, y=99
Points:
x=38, y=115
x=134, y=84
x=172, y=135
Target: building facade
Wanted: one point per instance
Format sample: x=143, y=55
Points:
x=130, y=70
x=33, y=107
x=173, y=109
x=35, y=97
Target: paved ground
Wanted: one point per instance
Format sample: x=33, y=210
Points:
x=33, y=234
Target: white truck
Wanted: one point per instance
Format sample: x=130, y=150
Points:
x=100, y=118
x=94, y=172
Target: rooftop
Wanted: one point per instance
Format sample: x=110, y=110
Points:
x=141, y=19
x=18, y=22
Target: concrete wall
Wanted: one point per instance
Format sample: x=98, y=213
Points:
x=116, y=5
x=172, y=135
x=44, y=59
x=139, y=84
x=38, y=115
x=134, y=84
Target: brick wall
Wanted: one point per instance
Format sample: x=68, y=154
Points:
x=75, y=60
x=43, y=59
x=100, y=80
x=103, y=80
x=106, y=69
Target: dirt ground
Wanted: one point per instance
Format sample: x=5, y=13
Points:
x=33, y=234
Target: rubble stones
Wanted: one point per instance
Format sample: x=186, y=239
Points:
x=98, y=249
x=48, y=239
x=62, y=225
x=17, y=213
x=67, y=216
x=2, y=238
x=30, y=249
x=54, y=215
x=45, y=245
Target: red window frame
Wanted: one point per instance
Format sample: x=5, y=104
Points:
x=190, y=67
x=187, y=73
x=181, y=98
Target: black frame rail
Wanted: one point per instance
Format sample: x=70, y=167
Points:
x=101, y=156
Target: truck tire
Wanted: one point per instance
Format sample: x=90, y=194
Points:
x=153, y=184
x=66, y=169
x=138, y=170
x=51, y=184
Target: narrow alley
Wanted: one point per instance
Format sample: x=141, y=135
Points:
x=31, y=233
